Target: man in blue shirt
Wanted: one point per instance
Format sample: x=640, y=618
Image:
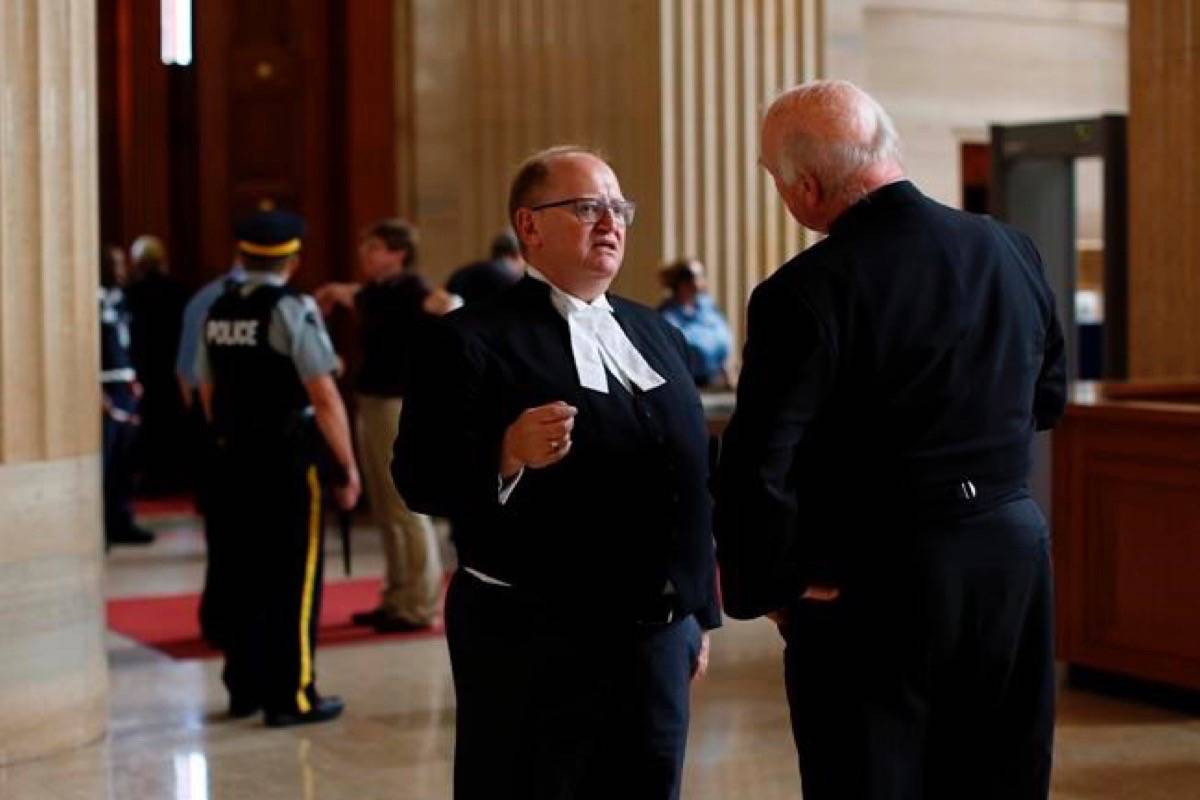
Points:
x=691, y=309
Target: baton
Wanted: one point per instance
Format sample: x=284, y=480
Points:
x=344, y=519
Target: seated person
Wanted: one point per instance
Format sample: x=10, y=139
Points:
x=691, y=309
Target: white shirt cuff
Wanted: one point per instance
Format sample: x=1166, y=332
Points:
x=505, y=486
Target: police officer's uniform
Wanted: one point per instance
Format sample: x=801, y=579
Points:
x=262, y=342
x=117, y=381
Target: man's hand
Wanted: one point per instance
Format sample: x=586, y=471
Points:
x=817, y=594
x=439, y=302
x=332, y=295
x=347, y=494
x=185, y=391
x=702, y=656
x=541, y=436
x=325, y=299
x=821, y=594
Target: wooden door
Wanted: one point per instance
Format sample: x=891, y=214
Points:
x=264, y=119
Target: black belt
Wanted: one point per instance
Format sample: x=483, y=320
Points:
x=963, y=495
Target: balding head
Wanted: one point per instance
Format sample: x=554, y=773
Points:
x=831, y=140
x=577, y=251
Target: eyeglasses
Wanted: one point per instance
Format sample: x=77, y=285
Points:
x=589, y=210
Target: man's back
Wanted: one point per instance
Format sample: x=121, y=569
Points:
x=194, y=314
x=390, y=314
x=871, y=490
x=258, y=395
x=939, y=324
x=892, y=371
x=894, y=376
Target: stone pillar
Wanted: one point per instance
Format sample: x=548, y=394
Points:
x=53, y=681
x=671, y=91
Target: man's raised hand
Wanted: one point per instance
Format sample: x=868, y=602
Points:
x=541, y=436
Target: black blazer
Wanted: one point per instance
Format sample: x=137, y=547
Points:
x=905, y=359
x=599, y=533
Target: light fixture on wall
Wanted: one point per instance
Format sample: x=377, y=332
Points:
x=177, y=32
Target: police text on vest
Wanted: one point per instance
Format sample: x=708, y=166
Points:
x=238, y=332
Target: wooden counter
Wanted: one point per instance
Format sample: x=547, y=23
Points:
x=1127, y=530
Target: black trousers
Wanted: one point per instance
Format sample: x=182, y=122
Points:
x=271, y=562
x=218, y=605
x=553, y=711
x=118, y=440
x=932, y=675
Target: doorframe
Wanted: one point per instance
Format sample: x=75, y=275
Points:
x=1104, y=137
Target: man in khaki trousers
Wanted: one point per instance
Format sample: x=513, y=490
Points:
x=390, y=306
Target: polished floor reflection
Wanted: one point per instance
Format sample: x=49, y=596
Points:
x=168, y=737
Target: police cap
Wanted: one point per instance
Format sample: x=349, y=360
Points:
x=270, y=234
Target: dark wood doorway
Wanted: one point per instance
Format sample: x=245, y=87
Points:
x=289, y=103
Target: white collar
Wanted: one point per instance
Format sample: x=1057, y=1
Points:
x=598, y=344
x=566, y=302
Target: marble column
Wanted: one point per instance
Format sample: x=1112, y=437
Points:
x=53, y=679
x=671, y=91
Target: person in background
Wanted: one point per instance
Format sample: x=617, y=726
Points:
x=483, y=279
x=390, y=305
x=691, y=309
x=156, y=302
x=119, y=393
x=871, y=495
x=266, y=385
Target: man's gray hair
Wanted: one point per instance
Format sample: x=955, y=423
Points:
x=835, y=132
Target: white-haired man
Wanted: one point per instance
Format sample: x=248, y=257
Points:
x=871, y=495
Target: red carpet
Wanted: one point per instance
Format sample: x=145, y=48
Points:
x=172, y=505
x=169, y=623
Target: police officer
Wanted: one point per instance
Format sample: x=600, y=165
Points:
x=119, y=393
x=266, y=383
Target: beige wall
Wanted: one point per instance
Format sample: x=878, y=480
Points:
x=672, y=90
x=669, y=89
x=52, y=668
x=498, y=80
x=946, y=69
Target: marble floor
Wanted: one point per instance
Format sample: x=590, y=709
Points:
x=168, y=739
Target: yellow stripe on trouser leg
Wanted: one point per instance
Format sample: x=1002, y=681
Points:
x=306, y=599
